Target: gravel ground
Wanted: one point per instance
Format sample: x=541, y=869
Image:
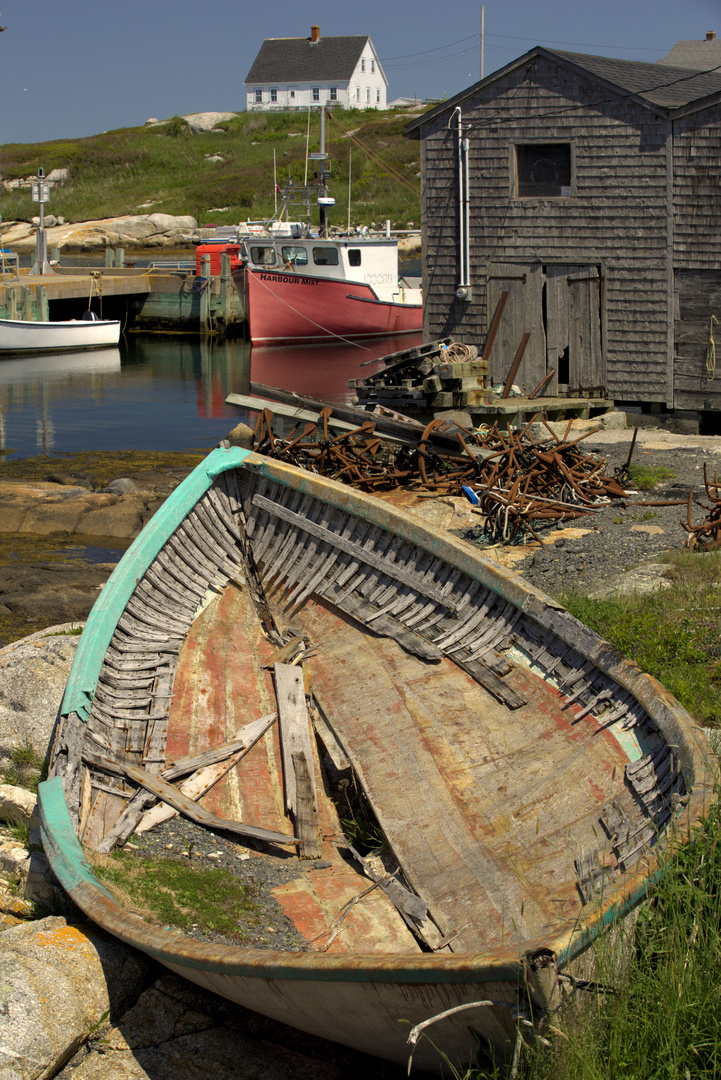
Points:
x=592, y=552
x=184, y=840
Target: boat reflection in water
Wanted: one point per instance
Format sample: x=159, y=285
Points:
x=161, y=392
x=323, y=371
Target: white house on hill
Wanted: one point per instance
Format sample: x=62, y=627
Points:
x=295, y=73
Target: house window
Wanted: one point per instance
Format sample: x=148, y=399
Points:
x=316, y=93
x=543, y=170
x=274, y=95
x=325, y=256
x=258, y=97
x=363, y=64
x=354, y=257
x=378, y=95
x=292, y=95
x=373, y=66
x=368, y=93
x=333, y=93
x=357, y=93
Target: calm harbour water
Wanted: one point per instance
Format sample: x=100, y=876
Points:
x=163, y=392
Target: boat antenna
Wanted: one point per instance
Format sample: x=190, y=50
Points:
x=307, y=147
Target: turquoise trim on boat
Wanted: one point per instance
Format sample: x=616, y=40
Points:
x=136, y=560
x=59, y=840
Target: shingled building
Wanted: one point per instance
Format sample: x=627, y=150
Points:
x=295, y=73
x=589, y=190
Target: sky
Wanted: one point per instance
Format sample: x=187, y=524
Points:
x=72, y=68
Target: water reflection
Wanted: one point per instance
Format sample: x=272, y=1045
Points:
x=163, y=392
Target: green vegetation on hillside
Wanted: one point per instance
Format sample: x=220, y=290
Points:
x=168, y=169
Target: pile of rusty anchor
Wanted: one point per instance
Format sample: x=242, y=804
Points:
x=518, y=485
x=707, y=535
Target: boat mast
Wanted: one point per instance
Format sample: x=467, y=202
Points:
x=322, y=187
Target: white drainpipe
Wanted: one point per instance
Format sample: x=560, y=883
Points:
x=463, y=290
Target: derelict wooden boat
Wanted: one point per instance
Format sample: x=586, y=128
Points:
x=36, y=337
x=527, y=778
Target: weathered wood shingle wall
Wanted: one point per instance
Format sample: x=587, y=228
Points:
x=616, y=220
x=697, y=260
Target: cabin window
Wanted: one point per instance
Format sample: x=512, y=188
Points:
x=543, y=170
x=325, y=256
x=294, y=255
x=258, y=97
x=316, y=93
x=333, y=93
x=274, y=95
x=354, y=257
x=262, y=256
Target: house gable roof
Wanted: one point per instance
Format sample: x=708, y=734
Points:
x=696, y=55
x=299, y=60
x=662, y=87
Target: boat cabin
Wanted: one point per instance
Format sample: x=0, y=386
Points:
x=373, y=262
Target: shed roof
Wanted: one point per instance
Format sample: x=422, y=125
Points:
x=666, y=87
x=300, y=60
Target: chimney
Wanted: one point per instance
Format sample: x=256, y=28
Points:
x=315, y=35
x=710, y=35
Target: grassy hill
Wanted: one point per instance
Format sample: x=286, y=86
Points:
x=168, y=169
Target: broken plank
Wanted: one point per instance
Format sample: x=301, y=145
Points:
x=165, y=791
x=245, y=738
x=294, y=726
x=307, y=822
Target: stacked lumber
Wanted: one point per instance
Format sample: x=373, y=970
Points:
x=440, y=375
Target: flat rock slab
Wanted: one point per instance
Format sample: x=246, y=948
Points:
x=42, y=507
x=177, y=1031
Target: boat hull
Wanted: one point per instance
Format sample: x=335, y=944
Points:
x=495, y=869
x=17, y=336
x=292, y=307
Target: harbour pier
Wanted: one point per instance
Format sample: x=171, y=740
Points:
x=161, y=298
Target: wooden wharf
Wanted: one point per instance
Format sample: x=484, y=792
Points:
x=142, y=298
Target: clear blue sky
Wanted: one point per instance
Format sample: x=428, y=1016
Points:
x=78, y=67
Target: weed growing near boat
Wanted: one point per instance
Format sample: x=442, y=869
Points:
x=168, y=891
x=675, y=634
x=26, y=767
x=645, y=477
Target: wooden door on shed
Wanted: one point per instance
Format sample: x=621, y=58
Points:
x=573, y=329
x=523, y=314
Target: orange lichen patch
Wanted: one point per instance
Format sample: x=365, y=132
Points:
x=66, y=937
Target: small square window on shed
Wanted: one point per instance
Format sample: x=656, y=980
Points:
x=543, y=170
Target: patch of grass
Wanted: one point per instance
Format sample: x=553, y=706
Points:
x=645, y=477
x=356, y=815
x=174, y=892
x=116, y=172
x=26, y=768
x=673, y=634
x=664, y=1019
